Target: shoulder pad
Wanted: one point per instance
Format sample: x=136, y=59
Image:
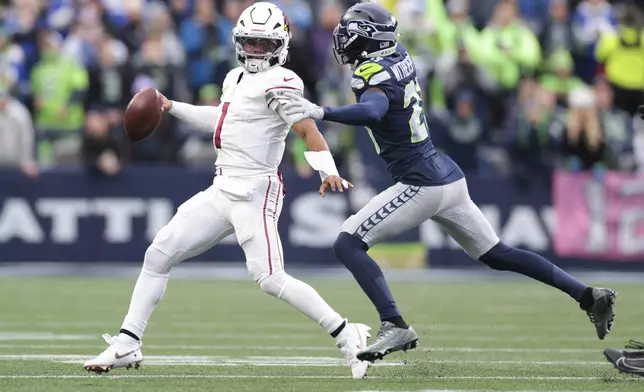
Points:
x=231, y=79
x=372, y=73
x=368, y=69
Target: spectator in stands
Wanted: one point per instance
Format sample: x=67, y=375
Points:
x=418, y=34
x=13, y=71
x=459, y=71
x=622, y=51
x=534, y=12
x=110, y=80
x=557, y=32
x=126, y=24
x=17, y=136
x=205, y=49
x=511, y=45
x=534, y=132
x=298, y=12
x=482, y=11
x=181, y=10
x=591, y=19
x=156, y=60
x=58, y=91
x=329, y=15
x=101, y=151
x=59, y=15
x=462, y=63
x=617, y=128
x=584, y=146
x=464, y=133
x=158, y=25
x=301, y=51
x=21, y=22
x=559, y=77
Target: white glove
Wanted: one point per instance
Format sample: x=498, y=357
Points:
x=301, y=108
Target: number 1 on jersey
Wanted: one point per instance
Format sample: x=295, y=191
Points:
x=417, y=123
x=220, y=124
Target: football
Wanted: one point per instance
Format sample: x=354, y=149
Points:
x=143, y=114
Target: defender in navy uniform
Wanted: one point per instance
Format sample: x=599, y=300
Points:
x=429, y=185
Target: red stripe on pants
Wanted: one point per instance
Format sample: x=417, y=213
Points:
x=268, y=240
x=277, y=198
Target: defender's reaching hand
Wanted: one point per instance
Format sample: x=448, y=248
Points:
x=301, y=107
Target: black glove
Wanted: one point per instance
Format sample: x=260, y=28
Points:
x=640, y=111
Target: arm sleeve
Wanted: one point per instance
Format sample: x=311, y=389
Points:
x=372, y=108
x=275, y=96
x=203, y=118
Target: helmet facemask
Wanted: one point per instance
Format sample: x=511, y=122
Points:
x=258, y=54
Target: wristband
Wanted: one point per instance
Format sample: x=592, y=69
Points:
x=322, y=161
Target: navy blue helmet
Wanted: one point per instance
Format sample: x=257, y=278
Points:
x=365, y=31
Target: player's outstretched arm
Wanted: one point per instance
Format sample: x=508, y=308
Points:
x=319, y=156
x=203, y=118
x=372, y=107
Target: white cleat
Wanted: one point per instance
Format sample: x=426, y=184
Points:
x=118, y=355
x=352, y=339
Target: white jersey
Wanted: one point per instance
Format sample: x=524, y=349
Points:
x=250, y=134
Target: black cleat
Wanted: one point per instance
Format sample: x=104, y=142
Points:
x=601, y=312
x=631, y=362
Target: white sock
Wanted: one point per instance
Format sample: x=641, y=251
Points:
x=305, y=299
x=148, y=292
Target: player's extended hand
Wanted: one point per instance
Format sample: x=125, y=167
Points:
x=336, y=183
x=167, y=104
x=300, y=107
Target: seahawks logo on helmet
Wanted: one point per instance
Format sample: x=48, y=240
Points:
x=365, y=31
x=361, y=27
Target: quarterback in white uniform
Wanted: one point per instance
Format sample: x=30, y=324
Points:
x=250, y=130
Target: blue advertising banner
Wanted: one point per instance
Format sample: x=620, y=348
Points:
x=71, y=215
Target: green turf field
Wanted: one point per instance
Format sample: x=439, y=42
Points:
x=228, y=336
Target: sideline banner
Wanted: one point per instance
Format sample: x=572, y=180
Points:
x=70, y=215
x=599, y=220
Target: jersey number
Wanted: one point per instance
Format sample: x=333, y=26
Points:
x=220, y=124
x=417, y=123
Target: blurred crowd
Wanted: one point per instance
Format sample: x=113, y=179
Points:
x=513, y=87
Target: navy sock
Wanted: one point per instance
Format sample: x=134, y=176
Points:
x=504, y=258
x=352, y=252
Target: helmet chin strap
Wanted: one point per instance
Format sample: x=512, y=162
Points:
x=257, y=65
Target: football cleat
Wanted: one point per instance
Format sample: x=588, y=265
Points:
x=627, y=361
x=117, y=355
x=352, y=339
x=390, y=339
x=601, y=312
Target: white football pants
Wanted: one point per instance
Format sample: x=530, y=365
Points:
x=251, y=209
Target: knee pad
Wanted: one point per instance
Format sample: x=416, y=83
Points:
x=345, y=244
x=274, y=284
x=496, y=258
x=156, y=262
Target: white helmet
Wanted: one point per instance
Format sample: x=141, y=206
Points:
x=261, y=37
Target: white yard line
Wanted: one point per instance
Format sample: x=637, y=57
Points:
x=172, y=360
x=30, y=336
x=479, y=328
x=27, y=336
x=471, y=390
x=198, y=360
x=305, y=348
x=285, y=377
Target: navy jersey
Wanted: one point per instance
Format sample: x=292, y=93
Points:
x=402, y=137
